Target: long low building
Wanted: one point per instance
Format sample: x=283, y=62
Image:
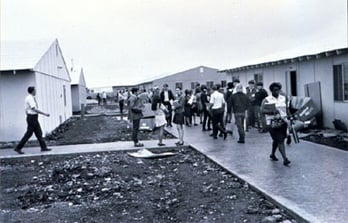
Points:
x=189, y=78
x=40, y=64
x=322, y=76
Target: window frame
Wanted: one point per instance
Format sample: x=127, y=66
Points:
x=339, y=82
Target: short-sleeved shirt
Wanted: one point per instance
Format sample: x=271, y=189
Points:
x=217, y=100
x=30, y=104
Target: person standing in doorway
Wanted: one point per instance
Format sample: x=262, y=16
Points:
x=135, y=114
x=32, y=112
x=166, y=97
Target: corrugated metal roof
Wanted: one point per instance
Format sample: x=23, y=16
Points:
x=22, y=55
x=288, y=60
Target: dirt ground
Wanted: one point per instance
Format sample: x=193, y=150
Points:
x=115, y=187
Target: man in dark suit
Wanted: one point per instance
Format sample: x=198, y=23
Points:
x=166, y=97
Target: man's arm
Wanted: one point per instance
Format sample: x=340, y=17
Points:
x=40, y=112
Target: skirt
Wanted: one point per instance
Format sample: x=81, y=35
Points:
x=178, y=118
x=160, y=118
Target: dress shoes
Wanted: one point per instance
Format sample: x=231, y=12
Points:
x=18, y=151
x=45, y=149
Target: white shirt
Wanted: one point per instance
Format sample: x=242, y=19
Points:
x=30, y=104
x=217, y=100
x=280, y=104
x=166, y=96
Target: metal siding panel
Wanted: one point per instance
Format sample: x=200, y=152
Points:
x=13, y=123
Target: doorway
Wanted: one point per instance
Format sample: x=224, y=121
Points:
x=293, y=83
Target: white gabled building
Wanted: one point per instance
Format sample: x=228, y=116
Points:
x=322, y=76
x=78, y=90
x=40, y=64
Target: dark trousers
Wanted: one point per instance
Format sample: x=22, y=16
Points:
x=206, y=120
x=169, y=117
x=121, y=103
x=240, y=125
x=250, y=118
x=136, y=125
x=218, y=121
x=33, y=127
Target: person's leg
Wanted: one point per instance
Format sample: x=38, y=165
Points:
x=240, y=126
x=181, y=134
x=205, y=117
x=160, y=135
x=136, y=125
x=215, y=122
x=121, y=106
x=38, y=134
x=209, y=121
x=281, y=144
x=27, y=134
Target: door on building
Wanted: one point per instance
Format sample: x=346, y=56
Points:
x=293, y=83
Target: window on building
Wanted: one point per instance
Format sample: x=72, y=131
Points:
x=193, y=85
x=201, y=69
x=223, y=83
x=258, y=77
x=178, y=85
x=210, y=84
x=340, y=79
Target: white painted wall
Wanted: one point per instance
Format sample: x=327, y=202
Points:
x=49, y=78
x=318, y=70
x=13, y=90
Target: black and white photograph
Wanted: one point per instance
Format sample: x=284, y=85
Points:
x=180, y=111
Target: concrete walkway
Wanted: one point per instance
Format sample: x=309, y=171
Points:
x=314, y=186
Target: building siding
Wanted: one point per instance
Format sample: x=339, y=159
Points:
x=49, y=76
x=308, y=71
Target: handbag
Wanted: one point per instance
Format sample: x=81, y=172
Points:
x=277, y=123
x=136, y=110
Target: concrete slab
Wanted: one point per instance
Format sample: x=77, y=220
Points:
x=314, y=185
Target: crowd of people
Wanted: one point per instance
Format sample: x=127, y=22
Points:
x=214, y=109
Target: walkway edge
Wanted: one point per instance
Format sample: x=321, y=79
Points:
x=296, y=213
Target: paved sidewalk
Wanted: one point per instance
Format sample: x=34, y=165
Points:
x=314, y=186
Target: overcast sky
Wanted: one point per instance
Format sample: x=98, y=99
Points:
x=129, y=41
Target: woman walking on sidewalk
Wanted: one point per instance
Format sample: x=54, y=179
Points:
x=178, y=119
x=274, y=108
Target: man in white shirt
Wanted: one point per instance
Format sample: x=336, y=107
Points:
x=217, y=102
x=32, y=112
